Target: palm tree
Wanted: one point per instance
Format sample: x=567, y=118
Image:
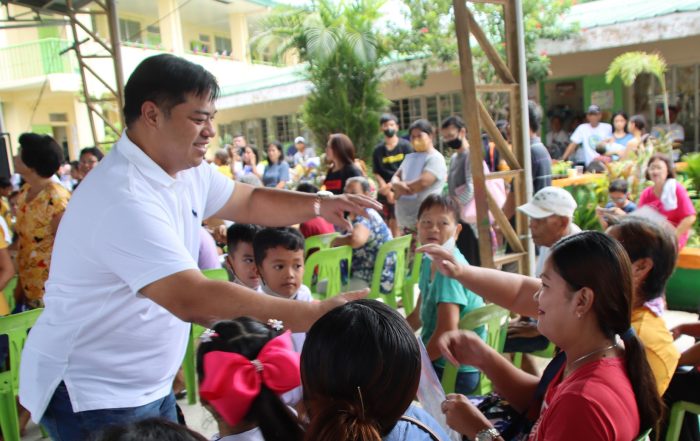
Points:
x=629, y=65
x=342, y=52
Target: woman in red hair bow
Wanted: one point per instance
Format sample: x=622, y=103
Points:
x=244, y=366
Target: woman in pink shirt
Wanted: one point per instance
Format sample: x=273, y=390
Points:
x=668, y=197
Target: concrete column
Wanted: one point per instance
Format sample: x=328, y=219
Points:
x=238, y=25
x=171, y=27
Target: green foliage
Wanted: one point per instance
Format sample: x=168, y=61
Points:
x=433, y=32
x=343, y=53
x=588, y=197
x=630, y=65
x=693, y=172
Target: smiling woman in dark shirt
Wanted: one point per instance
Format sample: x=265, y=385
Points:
x=340, y=153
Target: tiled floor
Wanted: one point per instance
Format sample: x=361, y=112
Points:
x=200, y=420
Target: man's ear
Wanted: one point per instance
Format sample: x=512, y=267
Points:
x=150, y=114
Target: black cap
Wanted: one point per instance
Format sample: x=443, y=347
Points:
x=593, y=108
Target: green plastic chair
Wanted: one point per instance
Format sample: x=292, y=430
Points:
x=547, y=352
x=189, y=363
x=401, y=246
x=9, y=292
x=644, y=436
x=409, y=286
x=320, y=242
x=216, y=274
x=675, y=419
x=15, y=326
x=495, y=319
x=328, y=263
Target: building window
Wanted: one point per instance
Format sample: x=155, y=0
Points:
x=222, y=45
x=130, y=30
x=202, y=44
x=284, y=130
x=153, y=36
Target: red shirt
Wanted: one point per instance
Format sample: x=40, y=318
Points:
x=595, y=403
x=316, y=226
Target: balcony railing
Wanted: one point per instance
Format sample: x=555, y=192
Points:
x=36, y=59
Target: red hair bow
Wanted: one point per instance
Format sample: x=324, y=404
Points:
x=232, y=381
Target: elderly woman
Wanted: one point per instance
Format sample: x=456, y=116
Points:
x=668, y=197
x=369, y=233
x=40, y=205
x=599, y=389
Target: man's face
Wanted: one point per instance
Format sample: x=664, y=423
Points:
x=547, y=231
x=186, y=133
x=556, y=124
x=239, y=141
x=391, y=124
x=593, y=118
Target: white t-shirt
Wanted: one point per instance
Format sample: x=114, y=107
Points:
x=675, y=131
x=128, y=224
x=589, y=137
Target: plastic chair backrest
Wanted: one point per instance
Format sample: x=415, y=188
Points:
x=328, y=263
x=216, y=274
x=320, y=241
x=400, y=246
x=643, y=436
x=409, y=286
x=15, y=326
x=675, y=419
x=495, y=319
x=9, y=292
x=190, y=362
x=547, y=352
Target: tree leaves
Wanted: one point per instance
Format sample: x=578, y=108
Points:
x=630, y=65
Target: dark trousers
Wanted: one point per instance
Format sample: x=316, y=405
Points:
x=468, y=245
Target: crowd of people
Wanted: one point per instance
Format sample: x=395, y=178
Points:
x=118, y=273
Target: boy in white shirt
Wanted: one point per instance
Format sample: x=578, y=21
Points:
x=279, y=256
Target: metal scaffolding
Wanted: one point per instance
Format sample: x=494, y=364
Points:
x=513, y=81
x=87, y=45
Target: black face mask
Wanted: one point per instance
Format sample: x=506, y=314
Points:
x=389, y=133
x=454, y=143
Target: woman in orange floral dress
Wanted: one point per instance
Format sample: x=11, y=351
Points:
x=40, y=205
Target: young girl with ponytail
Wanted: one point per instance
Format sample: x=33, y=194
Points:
x=244, y=366
x=603, y=388
x=360, y=369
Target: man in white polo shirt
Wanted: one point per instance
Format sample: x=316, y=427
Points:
x=124, y=282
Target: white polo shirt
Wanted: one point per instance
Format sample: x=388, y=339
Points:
x=127, y=225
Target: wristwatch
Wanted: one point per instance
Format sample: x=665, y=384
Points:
x=488, y=434
x=317, y=202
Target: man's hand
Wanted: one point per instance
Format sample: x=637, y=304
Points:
x=333, y=209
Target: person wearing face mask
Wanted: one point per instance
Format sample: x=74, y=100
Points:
x=460, y=185
x=421, y=174
x=386, y=160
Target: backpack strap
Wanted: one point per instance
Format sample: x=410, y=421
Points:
x=424, y=427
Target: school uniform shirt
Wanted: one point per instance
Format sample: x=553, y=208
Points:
x=442, y=289
x=127, y=226
x=335, y=180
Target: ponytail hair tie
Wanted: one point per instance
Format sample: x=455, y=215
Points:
x=629, y=333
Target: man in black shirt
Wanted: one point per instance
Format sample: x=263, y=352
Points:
x=387, y=158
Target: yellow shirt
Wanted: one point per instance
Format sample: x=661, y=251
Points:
x=662, y=355
x=36, y=238
x=4, y=307
x=6, y=213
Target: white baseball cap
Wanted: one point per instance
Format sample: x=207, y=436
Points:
x=549, y=201
x=299, y=139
